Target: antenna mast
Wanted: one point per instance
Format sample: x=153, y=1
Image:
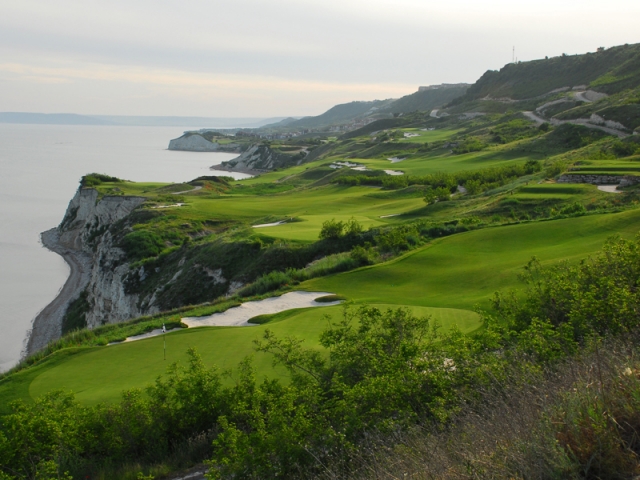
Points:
x=513, y=56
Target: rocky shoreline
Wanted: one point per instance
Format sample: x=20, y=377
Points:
x=47, y=325
x=222, y=168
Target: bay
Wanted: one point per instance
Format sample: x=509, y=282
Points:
x=40, y=167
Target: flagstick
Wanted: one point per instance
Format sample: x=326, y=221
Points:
x=165, y=346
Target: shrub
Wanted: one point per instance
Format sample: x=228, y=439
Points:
x=363, y=255
x=95, y=179
x=331, y=230
x=141, y=244
x=266, y=283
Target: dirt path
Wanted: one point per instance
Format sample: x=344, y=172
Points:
x=47, y=325
x=579, y=121
x=187, y=191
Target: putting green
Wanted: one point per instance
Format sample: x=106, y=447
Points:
x=452, y=274
x=102, y=373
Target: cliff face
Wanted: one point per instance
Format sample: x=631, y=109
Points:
x=85, y=230
x=197, y=143
x=262, y=157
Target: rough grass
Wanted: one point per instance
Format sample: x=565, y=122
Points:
x=578, y=420
x=102, y=373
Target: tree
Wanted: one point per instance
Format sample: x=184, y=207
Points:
x=331, y=230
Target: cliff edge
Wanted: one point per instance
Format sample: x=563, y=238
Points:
x=84, y=241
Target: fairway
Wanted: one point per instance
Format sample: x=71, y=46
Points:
x=444, y=279
x=311, y=206
x=464, y=270
x=442, y=160
x=102, y=373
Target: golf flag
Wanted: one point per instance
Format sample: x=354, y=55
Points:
x=164, y=330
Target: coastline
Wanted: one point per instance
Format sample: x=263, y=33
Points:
x=47, y=325
x=248, y=171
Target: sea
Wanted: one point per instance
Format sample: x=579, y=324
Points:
x=40, y=169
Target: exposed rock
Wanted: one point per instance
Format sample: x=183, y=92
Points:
x=262, y=157
x=621, y=180
x=598, y=120
x=197, y=143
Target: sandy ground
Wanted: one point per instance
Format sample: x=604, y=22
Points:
x=396, y=159
x=142, y=336
x=275, y=224
x=609, y=188
x=187, y=191
x=171, y=206
x=48, y=323
x=238, y=316
x=394, y=172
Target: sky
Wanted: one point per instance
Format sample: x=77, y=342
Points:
x=258, y=58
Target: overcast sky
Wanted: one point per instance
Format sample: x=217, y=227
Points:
x=236, y=58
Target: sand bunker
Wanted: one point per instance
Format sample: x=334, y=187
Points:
x=609, y=188
x=142, y=336
x=393, y=172
x=275, y=224
x=170, y=206
x=239, y=316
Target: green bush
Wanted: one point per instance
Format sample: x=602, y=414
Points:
x=331, y=230
x=95, y=179
x=266, y=283
x=141, y=244
x=75, y=316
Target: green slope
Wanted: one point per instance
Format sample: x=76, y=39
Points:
x=464, y=270
x=445, y=279
x=102, y=373
x=609, y=71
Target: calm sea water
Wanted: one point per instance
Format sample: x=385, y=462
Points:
x=40, y=167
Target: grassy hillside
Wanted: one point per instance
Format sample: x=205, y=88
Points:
x=340, y=114
x=445, y=279
x=426, y=100
x=434, y=213
x=609, y=71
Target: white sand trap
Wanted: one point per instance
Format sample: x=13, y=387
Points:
x=275, y=224
x=411, y=135
x=396, y=159
x=170, y=206
x=609, y=188
x=238, y=316
x=393, y=172
x=142, y=336
x=361, y=168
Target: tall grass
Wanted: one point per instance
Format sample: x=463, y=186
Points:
x=275, y=280
x=580, y=420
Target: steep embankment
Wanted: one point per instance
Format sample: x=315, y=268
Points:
x=260, y=158
x=84, y=241
x=194, y=142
